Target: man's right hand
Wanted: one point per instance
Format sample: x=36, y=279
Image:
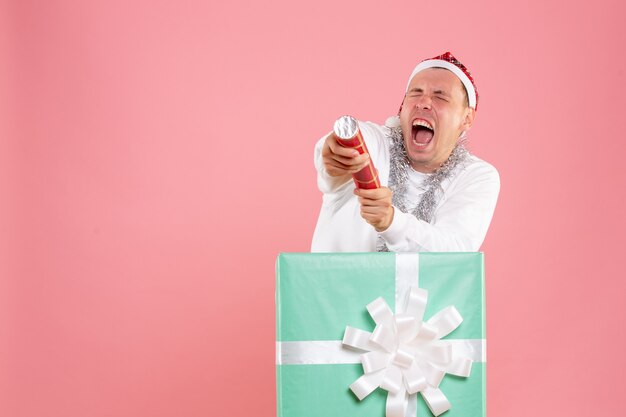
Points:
x=340, y=161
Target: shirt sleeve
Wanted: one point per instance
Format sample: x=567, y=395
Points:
x=326, y=183
x=460, y=222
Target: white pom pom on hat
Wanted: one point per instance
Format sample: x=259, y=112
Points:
x=393, y=121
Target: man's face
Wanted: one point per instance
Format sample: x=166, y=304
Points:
x=434, y=113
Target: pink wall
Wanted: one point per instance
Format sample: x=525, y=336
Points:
x=137, y=253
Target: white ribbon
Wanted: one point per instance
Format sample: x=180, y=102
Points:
x=328, y=352
x=404, y=354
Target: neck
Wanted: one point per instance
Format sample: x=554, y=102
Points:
x=431, y=166
x=424, y=168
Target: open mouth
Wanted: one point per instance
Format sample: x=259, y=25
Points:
x=422, y=132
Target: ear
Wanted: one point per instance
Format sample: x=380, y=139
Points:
x=468, y=118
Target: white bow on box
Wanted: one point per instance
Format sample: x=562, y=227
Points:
x=405, y=354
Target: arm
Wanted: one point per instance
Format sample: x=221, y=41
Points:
x=339, y=227
x=460, y=223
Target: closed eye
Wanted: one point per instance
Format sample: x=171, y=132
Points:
x=441, y=94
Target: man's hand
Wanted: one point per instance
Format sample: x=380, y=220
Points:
x=340, y=161
x=376, y=207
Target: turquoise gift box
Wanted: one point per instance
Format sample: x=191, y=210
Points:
x=319, y=294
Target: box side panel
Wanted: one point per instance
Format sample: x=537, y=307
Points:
x=456, y=279
x=319, y=294
x=323, y=390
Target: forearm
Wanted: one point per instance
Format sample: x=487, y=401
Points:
x=460, y=224
x=408, y=234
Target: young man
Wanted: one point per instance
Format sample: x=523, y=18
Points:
x=435, y=197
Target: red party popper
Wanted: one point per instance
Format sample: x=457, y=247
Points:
x=349, y=135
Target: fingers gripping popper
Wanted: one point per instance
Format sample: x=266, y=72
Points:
x=349, y=135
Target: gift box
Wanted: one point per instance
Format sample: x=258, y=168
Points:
x=326, y=301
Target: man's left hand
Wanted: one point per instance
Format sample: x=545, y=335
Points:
x=376, y=207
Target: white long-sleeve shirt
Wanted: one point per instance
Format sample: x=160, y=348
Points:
x=459, y=223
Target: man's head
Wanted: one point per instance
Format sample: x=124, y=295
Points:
x=439, y=105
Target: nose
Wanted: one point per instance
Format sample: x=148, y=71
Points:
x=423, y=102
